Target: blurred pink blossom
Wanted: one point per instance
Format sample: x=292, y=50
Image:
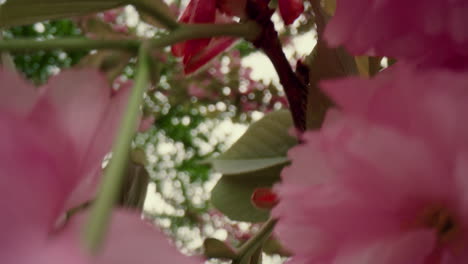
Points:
x=385, y=180
x=120, y=28
x=196, y=91
x=249, y=106
x=400, y=28
x=146, y=123
x=235, y=59
x=246, y=73
x=52, y=139
x=111, y=16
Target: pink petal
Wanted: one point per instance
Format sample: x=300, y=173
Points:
x=83, y=105
x=351, y=94
x=410, y=100
x=16, y=95
x=410, y=248
x=188, y=12
x=368, y=156
x=132, y=240
x=316, y=212
x=100, y=145
x=429, y=31
x=80, y=99
x=340, y=28
x=216, y=46
x=198, y=52
x=53, y=251
x=461, y=184
x=34, y=179
x=290, y=10
x=178, y=49
x=198, y=11
x=305, y=157
x=31, y=247
x=204, y=11
x=210, y=51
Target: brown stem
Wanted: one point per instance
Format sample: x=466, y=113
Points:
x=268, y=41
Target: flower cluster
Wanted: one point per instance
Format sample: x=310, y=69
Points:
x=385, y=179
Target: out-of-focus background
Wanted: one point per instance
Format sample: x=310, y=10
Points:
x=187, y=120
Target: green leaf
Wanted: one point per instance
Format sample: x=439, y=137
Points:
x=263, y=145
x=214, y=248
x=234, y=167
x=254, y=161
x=330, y=6
x=274, y=247
x=22, y=12
x=155, y=5
x=232, y=195
x=325, y=63
x=135, y=185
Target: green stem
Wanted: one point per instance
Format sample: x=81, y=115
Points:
x=5, y=58
x=257, y=256
x=69, y=44
x=156, y=12
x=113, y=175
x=248, y=30
x=249, y=248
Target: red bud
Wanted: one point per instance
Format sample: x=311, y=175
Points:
x=264, y=198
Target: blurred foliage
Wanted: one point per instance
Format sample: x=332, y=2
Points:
x=245, y=48
x=39, y=66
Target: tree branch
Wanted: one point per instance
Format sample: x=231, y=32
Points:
x=268, y=41
x=248, y=30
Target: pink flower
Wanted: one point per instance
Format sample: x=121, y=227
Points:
x=249, y=106
x=385, y=181
x=196, y=91
x=196, y=53
x=120, y=28
x=111, y=16
x=52, y=139
x=400, y=28
x=146, y=123
x=290, y=10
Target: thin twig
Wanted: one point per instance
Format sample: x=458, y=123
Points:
x=249, y=248
x=248, y=30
